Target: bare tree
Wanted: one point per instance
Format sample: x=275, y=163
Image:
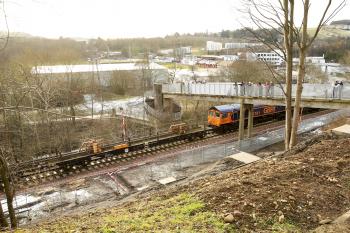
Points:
x=120, y=81
x=46, y=92
x=288, y=13
x=194, y=76
x=270, y=18
x=304, y=41
x=314, y=74
x=246, y=71
x=4, y=39
x=277, y=16
x=173, y=72
x=346, y=60
x=8, y=186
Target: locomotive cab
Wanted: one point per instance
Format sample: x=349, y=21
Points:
x=222, y=115
x=214, y=117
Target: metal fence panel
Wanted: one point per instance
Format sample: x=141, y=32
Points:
x=323, y=91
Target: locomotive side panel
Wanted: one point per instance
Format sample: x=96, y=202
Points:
x=219, y=118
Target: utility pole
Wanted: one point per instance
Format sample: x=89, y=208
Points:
x=92, y=90
x=100, y=91
x=123, y=125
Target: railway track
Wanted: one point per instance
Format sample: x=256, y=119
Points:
x=49, y=169
x=55, y=168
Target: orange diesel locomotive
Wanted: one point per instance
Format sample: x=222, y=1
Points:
x=225, y=115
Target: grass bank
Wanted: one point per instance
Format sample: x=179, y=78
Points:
x=181, y=213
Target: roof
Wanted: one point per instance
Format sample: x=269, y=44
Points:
x=231, y=107
x=341, y=22
x=84, y=68
x=226, y=108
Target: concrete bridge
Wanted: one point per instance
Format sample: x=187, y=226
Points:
x=313, y=96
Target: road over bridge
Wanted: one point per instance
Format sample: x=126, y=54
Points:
x=313, y=95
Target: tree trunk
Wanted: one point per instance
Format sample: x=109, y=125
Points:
x=288, y=44
x=295, y=123
x=301, y=75
x=100, y=92
x=196, y=112
x=72, y=113
x=3, y=221
x=35, y=128
x=288, y=123
x=7, y=128
x=48, y=129
x=9, y=189
x=288, y=118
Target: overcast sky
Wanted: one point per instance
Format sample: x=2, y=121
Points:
x=130, y=18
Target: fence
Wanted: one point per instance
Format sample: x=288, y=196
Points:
x=175, y=164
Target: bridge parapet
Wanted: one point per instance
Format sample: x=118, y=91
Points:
x=310, y=91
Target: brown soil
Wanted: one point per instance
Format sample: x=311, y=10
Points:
x=306, y=186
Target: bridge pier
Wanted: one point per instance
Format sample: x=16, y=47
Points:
x=250, y=120
x=243, y=108
x=241, y=120
x=158, y=97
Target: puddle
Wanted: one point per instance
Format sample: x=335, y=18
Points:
x=43, y=202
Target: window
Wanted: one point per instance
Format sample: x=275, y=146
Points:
x=217, y=114
x=224, y=115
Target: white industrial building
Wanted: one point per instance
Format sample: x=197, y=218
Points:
x=340, y=26
x=237, y=45
x=214, y=46
x=103, y=71
x=184, y=50
x=274, y=57
x=166, y=51
x=229, y=57
x=189, y=60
